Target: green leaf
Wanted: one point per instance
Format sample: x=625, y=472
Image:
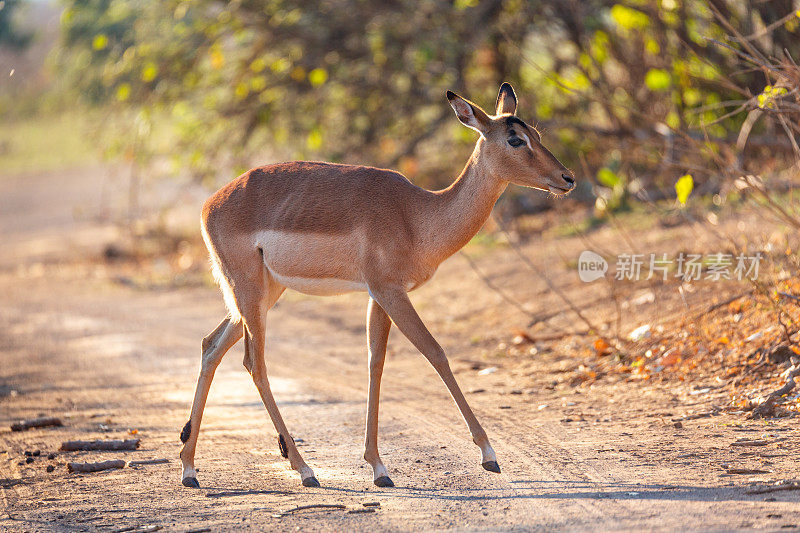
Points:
x=464, y=4
x=314, y=139
x=317, y=77
x=100, y=41
x=628, y=18
x=258, y=65
x=683, y=188
x=149, y=72
x=241, y=91
x=607, y=177
x=123, y=92
x=657, y=79
x=766, y=100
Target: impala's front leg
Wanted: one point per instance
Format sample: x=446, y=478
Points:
x=378, y=326
x=395, y=302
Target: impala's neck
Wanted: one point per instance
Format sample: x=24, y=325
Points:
x=459, y=211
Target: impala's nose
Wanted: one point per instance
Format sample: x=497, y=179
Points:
x=569, y=179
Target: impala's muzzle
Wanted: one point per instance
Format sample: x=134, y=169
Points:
x=561, y=184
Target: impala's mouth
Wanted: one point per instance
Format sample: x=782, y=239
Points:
x=558, y=191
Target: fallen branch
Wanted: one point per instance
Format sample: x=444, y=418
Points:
x=336, y=506
x=767, y=407
x=745, y=471
x=227, y=493
x=790, y=296
x=96, y=467
x=750, y=443
x=41, y=422
x=781, y=485
x=94, y=445
x=141, y=529
x=148, y=462
x=705, y=414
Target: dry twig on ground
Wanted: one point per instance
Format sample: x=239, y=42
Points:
x=329, y=506
x=96, y=467
x=767, y=407
x=779, y=486
x=94, y=445
x=149, y=462
x=41, y=422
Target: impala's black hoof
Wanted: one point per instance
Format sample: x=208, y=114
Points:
x=190, y=482
x=492, y=466
x=310, y=482
x=384, y=481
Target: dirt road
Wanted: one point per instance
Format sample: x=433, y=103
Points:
x=111, y=359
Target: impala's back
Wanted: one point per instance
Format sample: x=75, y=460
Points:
x=315, y=223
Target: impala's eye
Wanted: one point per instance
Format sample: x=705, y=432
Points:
x=515, y=141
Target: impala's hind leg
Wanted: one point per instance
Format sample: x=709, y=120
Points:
x=215, y=345
x=254, y=304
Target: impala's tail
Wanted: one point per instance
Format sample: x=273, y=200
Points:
x=222, y=280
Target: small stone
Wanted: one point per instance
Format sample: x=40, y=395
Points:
x=29, y=460
x=51, y=456
x=50, y=468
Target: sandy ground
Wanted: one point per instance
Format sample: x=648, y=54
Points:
x=110, y=359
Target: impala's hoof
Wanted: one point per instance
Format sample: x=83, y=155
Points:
x=310, y=481
x=491, y=466
x=190, y=482
x=384, y=481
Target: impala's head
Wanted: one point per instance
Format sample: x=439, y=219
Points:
x=511, y=149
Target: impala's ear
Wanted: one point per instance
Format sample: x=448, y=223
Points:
x=506, y=100
x=468, y=113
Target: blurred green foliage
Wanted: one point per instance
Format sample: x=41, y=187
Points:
x=11, y=35
x=363, y=81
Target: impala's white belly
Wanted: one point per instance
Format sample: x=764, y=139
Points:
x=313, y=263
x=319, y=287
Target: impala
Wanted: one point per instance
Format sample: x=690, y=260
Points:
x=324, y=229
